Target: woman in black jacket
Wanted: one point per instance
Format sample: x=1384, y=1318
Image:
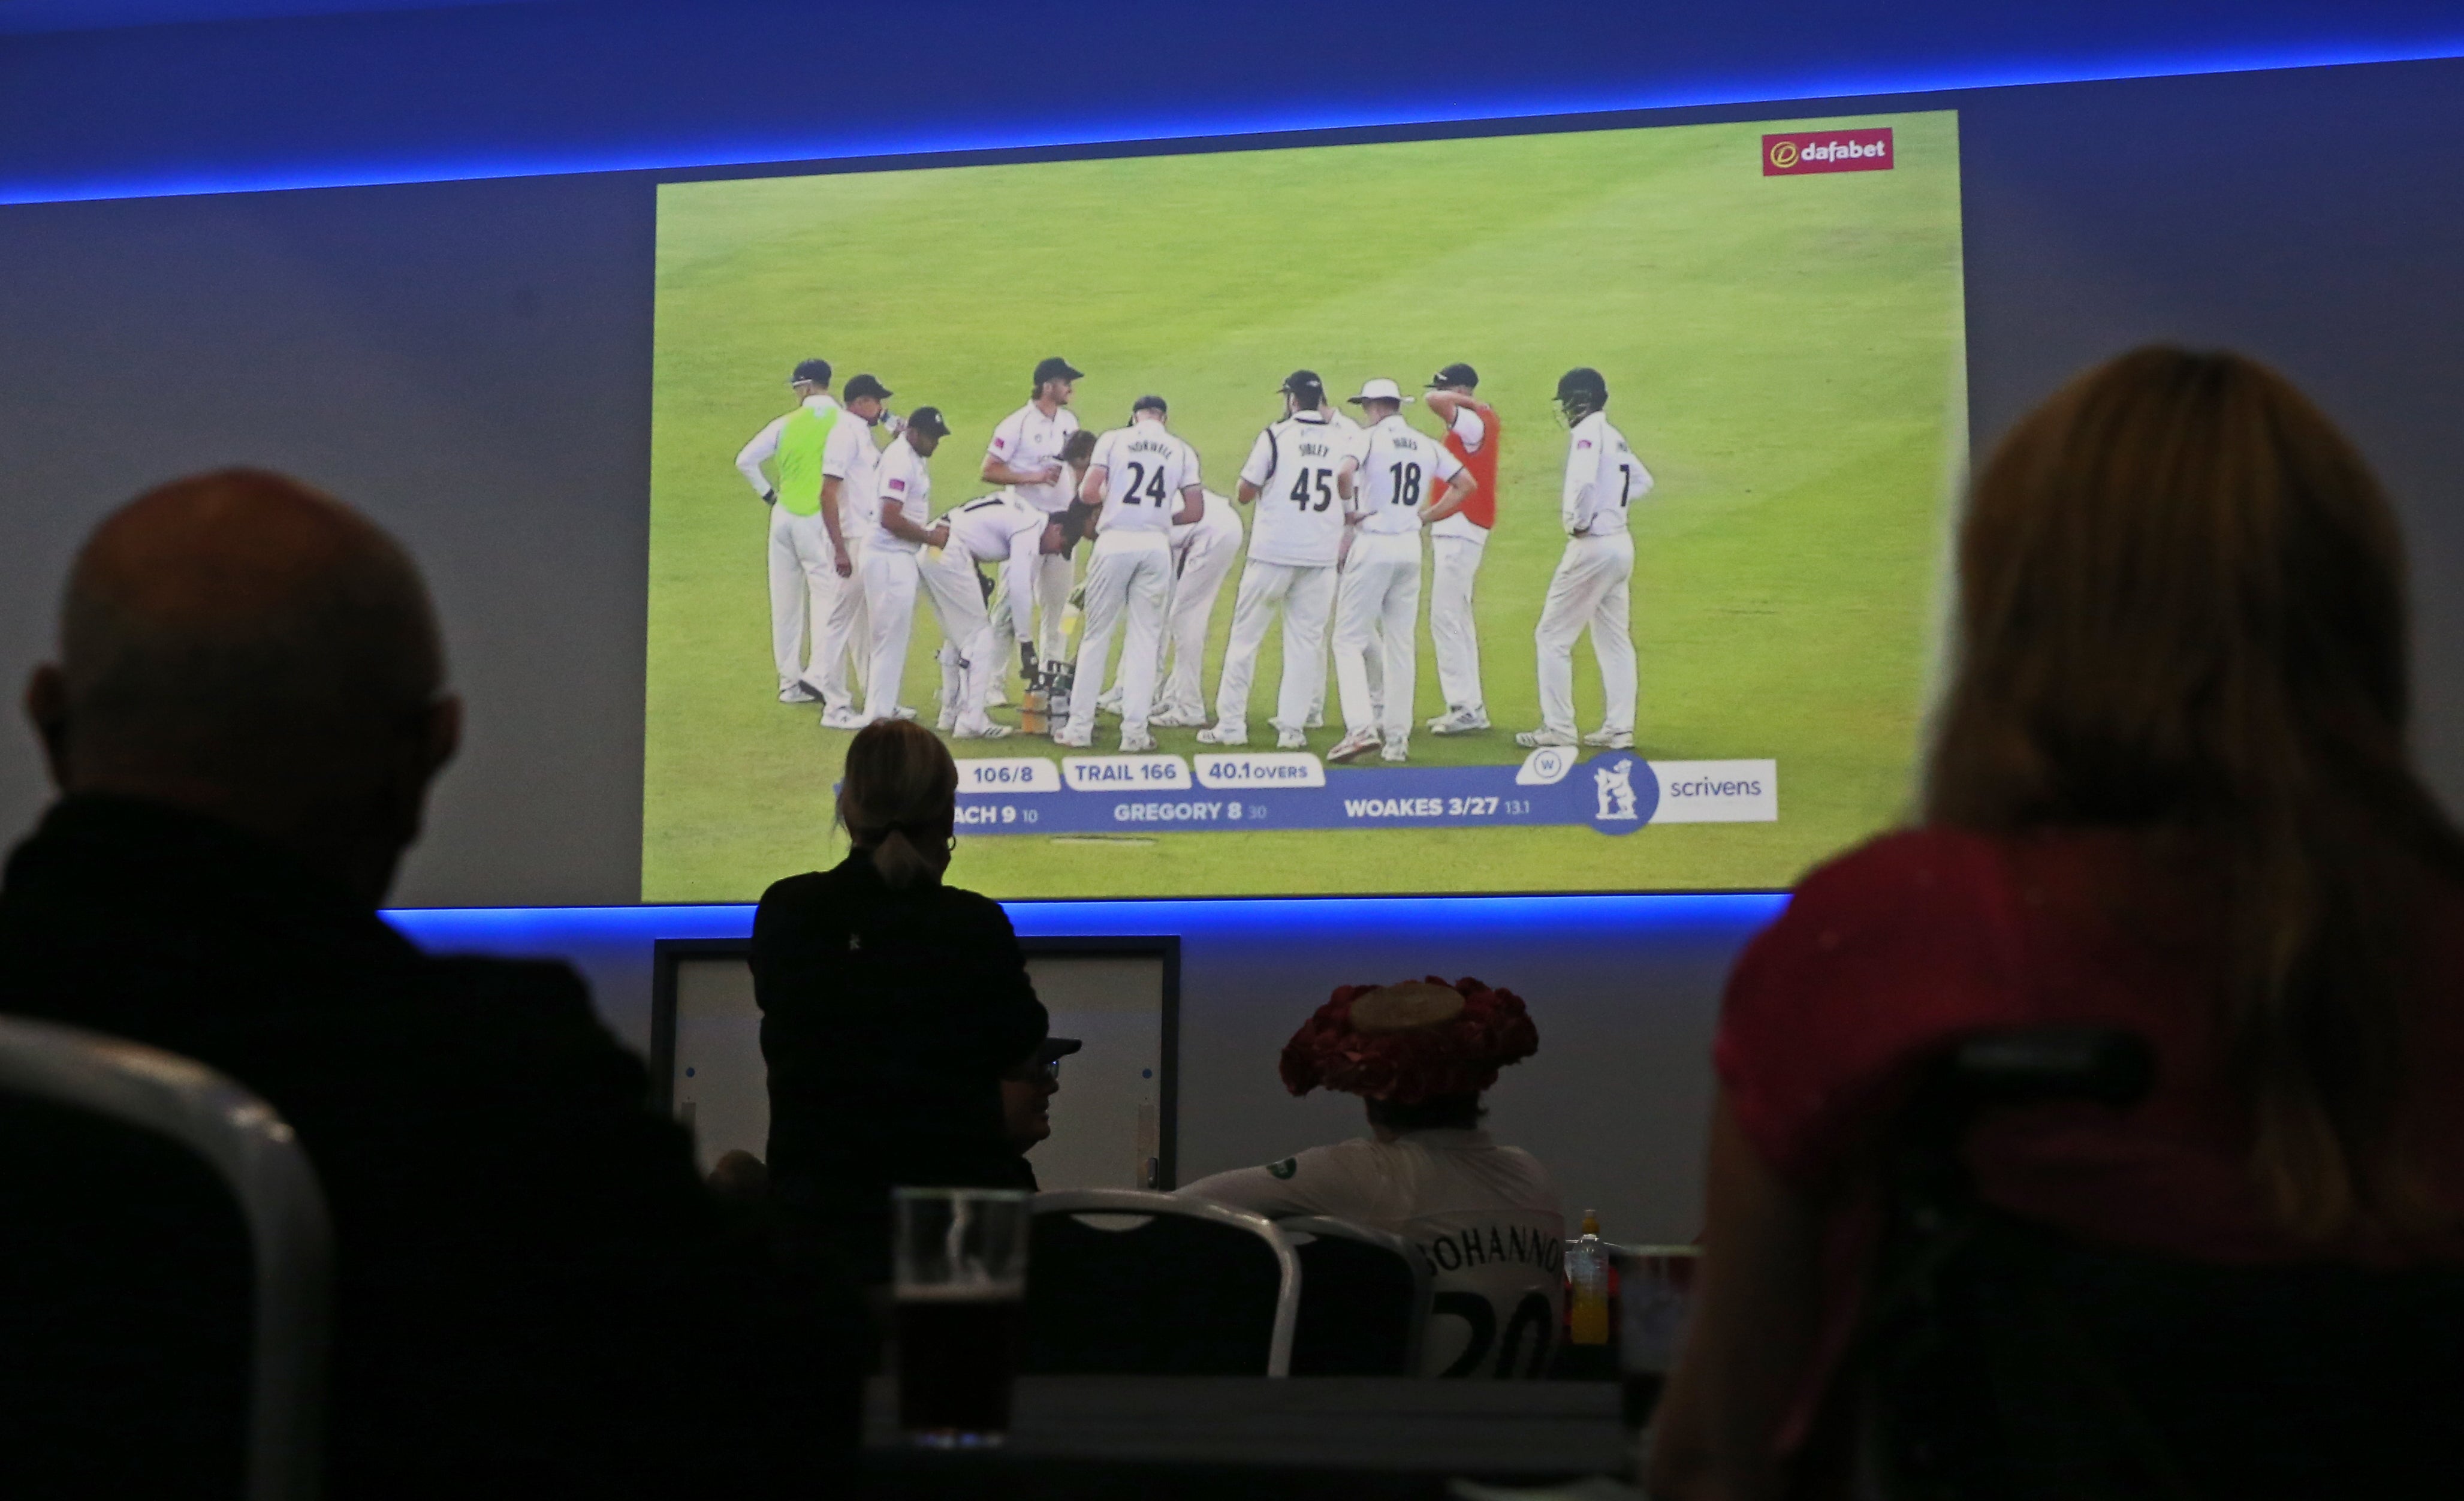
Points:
x=891, y=1006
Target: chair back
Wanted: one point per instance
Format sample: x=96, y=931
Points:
x=2001, y=1358
x=1365, y=1298
x=127, y=1163
x=1124, y=1282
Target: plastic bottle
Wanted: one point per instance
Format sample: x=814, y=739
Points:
x=1587, y=1284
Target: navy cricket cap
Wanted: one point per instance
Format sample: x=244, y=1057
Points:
x=860, y=386
x=1053, y=367
x=1455, y=374
x=1148, y=403
x=1303, y=383
x=927, y=419
x=817, y=371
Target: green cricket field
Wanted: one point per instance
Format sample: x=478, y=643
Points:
x=1786, y=354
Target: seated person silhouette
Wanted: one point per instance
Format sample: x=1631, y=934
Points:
x=1026, y=1100
x=533, y=1293
x=1419, y=1054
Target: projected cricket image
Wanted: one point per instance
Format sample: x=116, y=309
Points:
x=1543, y=513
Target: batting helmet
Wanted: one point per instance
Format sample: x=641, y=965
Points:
x=1581, y=390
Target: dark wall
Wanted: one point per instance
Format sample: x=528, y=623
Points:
x=470, y=360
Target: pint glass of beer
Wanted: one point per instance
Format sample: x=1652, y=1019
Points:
x=961, y=1290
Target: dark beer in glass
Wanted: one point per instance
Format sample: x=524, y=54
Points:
x=960, y=1262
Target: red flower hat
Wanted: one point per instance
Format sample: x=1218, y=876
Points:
x=1410, y=1043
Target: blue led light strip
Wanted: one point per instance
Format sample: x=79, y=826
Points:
x=1198, y=127
x=513, y=928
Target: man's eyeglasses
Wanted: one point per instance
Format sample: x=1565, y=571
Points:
x=1045, y=1070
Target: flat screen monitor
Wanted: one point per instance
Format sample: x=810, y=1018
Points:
x=1598, y=545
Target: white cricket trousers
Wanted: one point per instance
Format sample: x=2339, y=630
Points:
x=1378, y=605
x=1588, y=590
x=1304, y=595
x=840, y=631
x=1129, y=577
x=801, y=585
x=971, y=659
x=1203, y=568
x=892, y=575
x=1454, y=563
x=1052, y=578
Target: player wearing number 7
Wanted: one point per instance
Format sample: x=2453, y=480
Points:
x=1379, y=598
x=1145, y=479
x=1293, y=551
x=1603, y=478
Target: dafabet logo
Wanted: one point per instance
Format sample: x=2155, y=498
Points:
x=1827, y=151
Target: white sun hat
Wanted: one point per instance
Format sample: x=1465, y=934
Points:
x=1380, y=389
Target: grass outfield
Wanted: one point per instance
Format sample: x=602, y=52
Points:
x=1784, y=353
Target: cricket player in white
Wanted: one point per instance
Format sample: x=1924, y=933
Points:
x=1202, y=553
x=1024, y=454
x=1401, y=480
x=1145, y=479
x=1456, y=547
x=1293, y=547
x=852, y=513
x=1202, y=557
x=893, y=565
x=802, y=579
x=1603, y=478
x=1007, y=531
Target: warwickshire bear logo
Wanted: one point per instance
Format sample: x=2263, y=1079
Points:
x=1616, y=787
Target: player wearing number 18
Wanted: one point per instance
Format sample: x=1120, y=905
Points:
x=1145, y=479
x=1603, y=478
x=1378, y=602
x=1293, y=551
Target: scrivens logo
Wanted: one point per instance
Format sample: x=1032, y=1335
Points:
x=1827, y=151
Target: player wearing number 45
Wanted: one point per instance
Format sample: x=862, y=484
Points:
x=1292, y=552
x=1145, y=479
x=1603, y=478
x=1378, y=602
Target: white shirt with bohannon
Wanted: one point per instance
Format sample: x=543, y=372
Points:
x=1487, y=1217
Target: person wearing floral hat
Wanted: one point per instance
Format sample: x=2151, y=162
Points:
x=1419, y=1054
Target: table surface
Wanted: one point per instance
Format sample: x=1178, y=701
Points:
x=1398, y=1426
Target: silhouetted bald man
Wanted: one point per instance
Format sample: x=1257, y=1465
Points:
x=534, y=1295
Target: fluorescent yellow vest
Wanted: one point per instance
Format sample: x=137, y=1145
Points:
x=800, y=458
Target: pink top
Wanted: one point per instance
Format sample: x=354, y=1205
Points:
x=1889, y=954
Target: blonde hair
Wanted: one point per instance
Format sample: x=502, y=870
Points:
x=2183, y=607
x=898, y=800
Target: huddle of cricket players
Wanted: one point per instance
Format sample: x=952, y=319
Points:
x=1334, y=551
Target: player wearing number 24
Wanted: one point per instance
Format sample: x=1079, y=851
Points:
x=1145, y=480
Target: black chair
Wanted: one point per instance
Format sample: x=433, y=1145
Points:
x=2000, y=1358
x=163, y=1255
x=1125, y=1282
x=1365, y=1298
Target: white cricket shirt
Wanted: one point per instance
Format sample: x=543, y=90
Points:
x=1399, y=471
x=849, y=458
x=1027, y=439
x=1487, y=1216
x=1293, y=465
x=906, y=487
x=1219, y=522
x=1602, y=479
x=1145, y=467
x=1004, y=529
